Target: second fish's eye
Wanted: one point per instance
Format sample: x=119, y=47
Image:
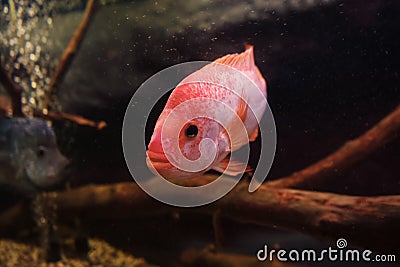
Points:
x=41, y=151
x=191, y=131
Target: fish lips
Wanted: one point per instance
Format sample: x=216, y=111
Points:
x=157, y=161
x=157, y=158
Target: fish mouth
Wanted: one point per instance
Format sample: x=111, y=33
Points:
x=159, y=165
x=157, y=162
x=157, y=157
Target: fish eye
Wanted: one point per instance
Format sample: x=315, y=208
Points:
x=41, y=151
x=191, y=131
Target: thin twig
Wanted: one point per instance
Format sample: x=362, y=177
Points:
x=6, y=109
x=13, y=90
x=62, y=116
x=72, y=48
x=351, y=152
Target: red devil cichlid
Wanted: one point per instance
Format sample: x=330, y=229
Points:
x=203, y=86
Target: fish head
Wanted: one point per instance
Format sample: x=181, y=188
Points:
x=36, y=154
x=170, y=146
x=44, y=166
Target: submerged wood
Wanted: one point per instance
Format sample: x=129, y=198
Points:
x=62, y=116
x=369, y=222
x=5, y=109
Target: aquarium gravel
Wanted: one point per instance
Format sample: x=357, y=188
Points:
x=15, y=254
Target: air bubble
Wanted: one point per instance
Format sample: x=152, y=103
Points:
x=32, y=101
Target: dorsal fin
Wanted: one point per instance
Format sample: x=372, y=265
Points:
x=242, y=61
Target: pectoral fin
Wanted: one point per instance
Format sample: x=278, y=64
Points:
x=235, y=167
x=254, y=135
x=238, y=138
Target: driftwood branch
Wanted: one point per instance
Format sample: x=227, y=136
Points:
x=13, y=90
x=72, y=48
x=351, y=152
x=370, y=222
x=330, y=216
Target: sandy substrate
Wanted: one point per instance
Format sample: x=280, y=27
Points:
x=101, y=254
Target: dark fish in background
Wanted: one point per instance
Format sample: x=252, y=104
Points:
x=29, y=157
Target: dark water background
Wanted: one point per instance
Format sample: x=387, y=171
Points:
x=332, y=71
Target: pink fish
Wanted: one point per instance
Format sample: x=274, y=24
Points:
x=218, y=90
